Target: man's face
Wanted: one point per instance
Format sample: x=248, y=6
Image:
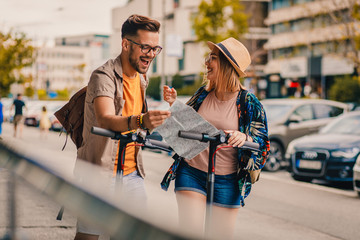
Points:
x=139, y=60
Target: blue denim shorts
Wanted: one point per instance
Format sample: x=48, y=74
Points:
x=226, y=187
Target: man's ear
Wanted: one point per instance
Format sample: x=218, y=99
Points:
x=125, y=44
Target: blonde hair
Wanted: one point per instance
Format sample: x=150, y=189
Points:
x=227, y=79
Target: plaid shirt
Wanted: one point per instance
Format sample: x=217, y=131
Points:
x=255, y=126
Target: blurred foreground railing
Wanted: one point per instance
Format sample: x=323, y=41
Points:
x=83, y=202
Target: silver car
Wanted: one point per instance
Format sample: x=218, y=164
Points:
x=356, y=176
x=293, y=118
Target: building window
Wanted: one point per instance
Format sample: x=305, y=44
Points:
x=154, y=65
x=282, y=53
x=301, y=1
x=323, y=48
x=276, y=4
x=300, y=51
x=281, y=27
x=181, y=61
x=301, y=24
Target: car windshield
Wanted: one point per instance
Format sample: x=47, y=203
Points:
x=273, y=111
x=345, y=125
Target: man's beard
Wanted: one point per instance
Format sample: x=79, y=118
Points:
x=133, y=62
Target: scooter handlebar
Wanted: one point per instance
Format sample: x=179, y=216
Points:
x=200, y=136
x=112, y=134
x=103, y=132
x=191, y=135
x=155, y=144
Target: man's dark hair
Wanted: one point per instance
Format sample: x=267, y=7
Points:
x=138, y=22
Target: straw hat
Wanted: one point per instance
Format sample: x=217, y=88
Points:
x=235, y=52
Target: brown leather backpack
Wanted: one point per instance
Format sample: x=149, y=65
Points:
x=71, y=117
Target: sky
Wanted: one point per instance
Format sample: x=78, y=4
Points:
x=43, y=20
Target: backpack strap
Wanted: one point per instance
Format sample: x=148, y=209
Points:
x=243, y=94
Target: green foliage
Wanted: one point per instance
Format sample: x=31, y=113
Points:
x=63, y=94
x=153, y=90
x=177, y=81
x=16, y=52
x=42, y=94
x=29, y=92
x=356, y=15
x=190, y=89
x=345, y=89
x=356, y=11
x=220, y=19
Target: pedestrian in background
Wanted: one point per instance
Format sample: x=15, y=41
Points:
x=115, y=100
x=19, y=104
x=219, y=102
x=45, y=123
x=1, y=116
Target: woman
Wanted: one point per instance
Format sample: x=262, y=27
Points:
x=219, y=103
x=45, y=123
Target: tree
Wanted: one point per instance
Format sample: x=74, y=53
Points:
x=347, y=19
x=153, y=88
x=340, y=90
x=16, y=52
x=217, y=20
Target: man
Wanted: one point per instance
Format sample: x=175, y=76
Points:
x=18, y=116
x=115, y=100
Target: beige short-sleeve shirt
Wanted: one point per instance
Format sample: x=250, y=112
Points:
x=105, y=81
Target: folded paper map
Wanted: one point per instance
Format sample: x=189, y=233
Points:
x=185, y=118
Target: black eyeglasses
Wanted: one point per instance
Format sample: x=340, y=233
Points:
x=147, y=48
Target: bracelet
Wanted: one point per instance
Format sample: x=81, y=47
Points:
x=142, y=123
x=138, y=121
x=129, y=122
x=246, y=137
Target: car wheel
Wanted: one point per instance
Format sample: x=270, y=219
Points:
x=301, y=178
x=275, y=158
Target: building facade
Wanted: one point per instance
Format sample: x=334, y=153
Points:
x=61, y=67
x=68, y=64
x=98, y=45
x=309, y=46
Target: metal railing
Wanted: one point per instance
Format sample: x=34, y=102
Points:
x=81, y=200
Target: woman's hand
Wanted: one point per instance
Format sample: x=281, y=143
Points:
x=236, y=139
x=169, y=94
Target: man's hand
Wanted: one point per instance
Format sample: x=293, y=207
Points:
x=155, y=118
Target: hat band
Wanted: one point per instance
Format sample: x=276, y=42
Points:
x=227, y=53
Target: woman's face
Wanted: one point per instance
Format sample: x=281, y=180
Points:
x=212, y=65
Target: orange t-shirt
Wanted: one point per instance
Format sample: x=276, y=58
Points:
x=133, y=106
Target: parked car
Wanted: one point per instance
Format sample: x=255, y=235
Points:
x=356, y=171
x=33, y=113
x=289, y=119
x=330, y=154
x=52, y=108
